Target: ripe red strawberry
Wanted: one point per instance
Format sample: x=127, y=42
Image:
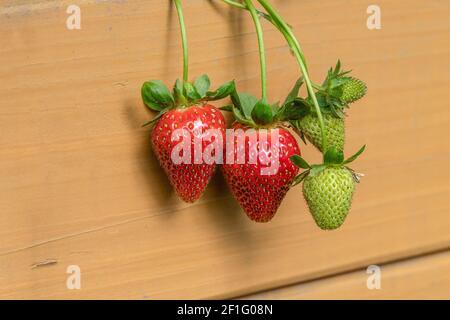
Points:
x=261, y=195
x=186, y=109
x=189, y=180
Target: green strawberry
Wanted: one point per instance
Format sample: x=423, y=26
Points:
x=353, y=89
x=328, y=188
x=333, y=97
x=310, y=127
x=329, y=196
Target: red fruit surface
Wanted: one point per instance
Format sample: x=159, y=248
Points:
x=189, y=180
x=261, y=195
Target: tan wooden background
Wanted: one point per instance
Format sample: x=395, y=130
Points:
x=80, y=186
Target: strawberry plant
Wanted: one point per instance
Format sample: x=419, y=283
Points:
x=260, y=192
x=185, y=107
x=328, y=187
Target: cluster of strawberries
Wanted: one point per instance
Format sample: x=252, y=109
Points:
x=327, y=187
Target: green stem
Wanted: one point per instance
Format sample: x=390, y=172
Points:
x=243, y=6
x=262, y=52
x=235, y=4
x=183, y=40
x=295, y=46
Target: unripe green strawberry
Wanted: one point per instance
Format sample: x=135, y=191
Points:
x=329, y=196
x=352, y=90
x=310, y=127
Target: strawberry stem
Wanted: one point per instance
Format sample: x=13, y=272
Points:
x=296, y=48
x=262, y=52
x=235, y=4
x=183, y=40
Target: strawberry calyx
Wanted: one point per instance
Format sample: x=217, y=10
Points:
x=157, y=97
x=332, y=158
x=334, y=95
x=259, y=113
x=338, y=90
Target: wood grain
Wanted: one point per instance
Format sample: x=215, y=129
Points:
x=80, y=185
x=426, y=277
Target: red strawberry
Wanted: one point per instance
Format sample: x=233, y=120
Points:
x=189, y=180
x=261, y=195
x=186, y=110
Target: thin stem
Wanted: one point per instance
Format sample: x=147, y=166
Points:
x=243, y=6
x=295, y=46
x=183, y=40
x=235, y=4
x=262, y=52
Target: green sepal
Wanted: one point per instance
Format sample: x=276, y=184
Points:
x=227, y=107
x=222, y=92
x=294, y=110
x=356, y=155
x=156, y=96
x=293, y=94
x=262, y=113
x=246, y=104
x=300, y=162
x=202, y=85
x=156, y=118
x=333, y=156
x=240, y=117
x=178, y=92
x=299, y=178
x=191, y=92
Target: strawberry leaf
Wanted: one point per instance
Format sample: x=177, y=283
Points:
x=248, y=103
x=356, y=155
x=191, y=92
x=156, y=96
x=240, y=117
x=300, y=162
x=222, y=92
x=202, y=85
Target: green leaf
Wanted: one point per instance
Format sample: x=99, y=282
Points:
x=294, y=92
x=262, y=113
x=298, y=179
x=240, y=117
x=333, y=156
x=356, y=155
x=202, y=85
x=248, y=103
x=222, y=92
x=235, y=98
x=300, y=162
x=156, y=96
x=191, y=92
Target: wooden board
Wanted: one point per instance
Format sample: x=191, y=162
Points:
x=426, y=277
x=80, y=186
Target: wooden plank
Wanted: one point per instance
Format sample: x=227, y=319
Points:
x=79, y=184
x=425, y=277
